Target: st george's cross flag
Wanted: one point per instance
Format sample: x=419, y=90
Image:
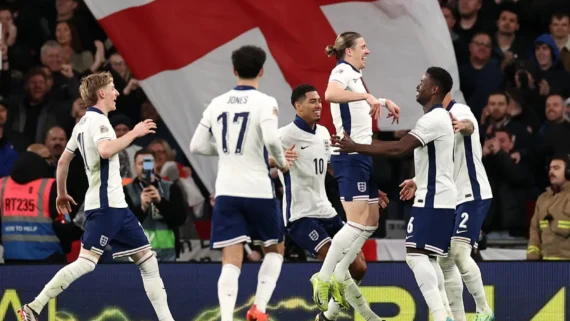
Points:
x=180, y=52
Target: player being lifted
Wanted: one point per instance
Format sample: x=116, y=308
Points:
x=108, y=219
x=433, y=213
x=473, y=201
x=311, y=219
x=243, y=123
x=352, y=110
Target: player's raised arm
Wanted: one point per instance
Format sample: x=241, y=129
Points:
x=268, y=123
x=201, y=141
x=108, y=147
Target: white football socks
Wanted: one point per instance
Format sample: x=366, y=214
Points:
x=154, y=287
x=340, y=246
x=267, y=279
x=227, y=290
x=441, y=285
x=453, y=287
x=342, y=267
x=62, y=279
x=461, y=254
x=427, y=281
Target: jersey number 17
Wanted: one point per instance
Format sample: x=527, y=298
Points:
x=223, y=118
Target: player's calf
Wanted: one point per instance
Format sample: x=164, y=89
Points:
x=471, y=274
x=453, y=287
x=232, y=258
x=84, y=264
x=267, y=277
x=426, y=278
x=153, y=285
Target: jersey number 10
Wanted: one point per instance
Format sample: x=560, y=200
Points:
x=223, y=118
x=319, y=165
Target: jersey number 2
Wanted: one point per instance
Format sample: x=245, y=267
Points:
x=81, y=143
x=223, y=118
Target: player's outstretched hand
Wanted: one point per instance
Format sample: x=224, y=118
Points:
x=291, y=155
x=394, y=111
x=63, y=205
x=383, y=199
x=344, y=144
x=375, y=109
x=145, y=127
x=408, y=190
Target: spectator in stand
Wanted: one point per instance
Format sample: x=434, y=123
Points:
x=8, y=155
x=65, y=81
x=496, y=116
x=508, y=45
x=480, y=76
x=552, y=138
x=78, y=110
x=459, y=45
x=560, y=32
x=72, y=50
x=19, y=52
x=149, y=112
x=551, y=76
x=33, y=178
x=35, y=114
x=510, y=178
x=122, y=125
x=132, y=95
x=87, y=27
x=56, y=140
x=550, y=224
x=160, y=207
x=470, y=23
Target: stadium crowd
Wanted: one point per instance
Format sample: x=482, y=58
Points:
x=514, y=68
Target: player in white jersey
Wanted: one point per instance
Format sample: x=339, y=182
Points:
x=433, y=213
x=352, y=110
x=310, y=218
x=108, y=219
x=243, y=123
x=473, y=201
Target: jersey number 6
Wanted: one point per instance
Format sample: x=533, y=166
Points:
x=223, y=118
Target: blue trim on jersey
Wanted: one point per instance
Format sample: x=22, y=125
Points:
x=345, y=117
x=340, y=61
x=97, y=110
x=451, y=103
x=304, y=126
x=471, y=168
x=288, y=195
x=434, y=107
x=244, y=88
x=432, y=173
x=103, y=197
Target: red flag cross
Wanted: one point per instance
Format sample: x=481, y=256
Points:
x=170, y=34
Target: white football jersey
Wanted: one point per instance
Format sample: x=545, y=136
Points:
x=304, y=183
x=353, y=117
x=469, y=173
x=234, y=119
x=105, y=183
x=433, y=162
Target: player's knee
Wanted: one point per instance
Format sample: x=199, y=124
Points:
x=358, y=268
x=460, y=253
x=148, y=264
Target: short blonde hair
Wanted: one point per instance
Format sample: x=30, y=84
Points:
x=93, y=83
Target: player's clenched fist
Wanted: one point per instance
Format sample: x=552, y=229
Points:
x=145, y=127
